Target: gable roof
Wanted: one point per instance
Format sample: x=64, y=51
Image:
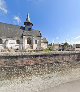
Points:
x=13, y=31
x=10, y=31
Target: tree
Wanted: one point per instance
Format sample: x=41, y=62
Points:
x=66, y=45
x=50, y=44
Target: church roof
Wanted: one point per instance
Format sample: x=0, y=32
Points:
x=44, y=40
x=13, y=31
x=33, y=33
x=10, y=31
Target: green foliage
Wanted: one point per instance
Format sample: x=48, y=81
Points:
x=66, y=45
x=47, y=50
x=50, y=44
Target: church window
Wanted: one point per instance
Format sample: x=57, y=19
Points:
x=35, y=41
x=29, y=40
x=1, y=41
x=29, y=29
x=18, y=41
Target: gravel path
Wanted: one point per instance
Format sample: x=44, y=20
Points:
x=40, y=83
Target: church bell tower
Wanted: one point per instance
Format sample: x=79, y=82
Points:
x=28, y=24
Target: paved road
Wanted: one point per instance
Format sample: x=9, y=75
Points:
x=73, y=86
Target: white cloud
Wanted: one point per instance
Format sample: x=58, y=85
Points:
x=57, y=38
x=75, y=40
x=3, y=7
x=53, y=41
x=77, y=37
x=17, y=18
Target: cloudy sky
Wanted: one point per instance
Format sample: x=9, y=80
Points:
x=58, y=20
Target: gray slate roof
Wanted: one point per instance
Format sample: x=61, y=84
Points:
x=10, y=31
x=33, y=33
x=13, y=31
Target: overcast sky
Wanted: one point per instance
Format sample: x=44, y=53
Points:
x=58, y=20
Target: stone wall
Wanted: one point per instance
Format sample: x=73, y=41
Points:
x=15, y=66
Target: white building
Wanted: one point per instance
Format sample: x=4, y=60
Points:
x=12, y=44
x=44, y=43
x=19, y=37
x=76, y=47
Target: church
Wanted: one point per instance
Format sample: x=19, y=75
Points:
x=21, y=37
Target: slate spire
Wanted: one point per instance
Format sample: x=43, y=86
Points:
x=28, y=18
x=28, y=24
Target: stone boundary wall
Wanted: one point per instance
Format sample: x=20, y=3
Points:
x=19, y=64
x=37, y=53
x=24, y=59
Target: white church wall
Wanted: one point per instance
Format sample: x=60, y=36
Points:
x=38, y=44
x=25, y=44
x=1, y=47
x=11, y=44
x=34, y=45
x=20, y=46
x=44, y=45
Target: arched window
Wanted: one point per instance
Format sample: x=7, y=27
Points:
x=35, y=41
x=29, y=40
x=1, y=41
x=18, y=41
